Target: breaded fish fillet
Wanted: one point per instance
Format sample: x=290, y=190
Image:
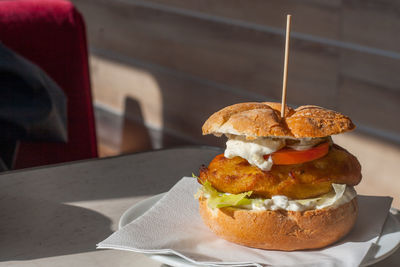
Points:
x=298, y=181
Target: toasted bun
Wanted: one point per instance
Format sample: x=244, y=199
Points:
x=264, y=119
x=281, y=230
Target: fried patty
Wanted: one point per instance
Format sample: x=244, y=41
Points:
x=297, y=181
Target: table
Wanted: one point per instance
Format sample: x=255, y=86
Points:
x=55, y=215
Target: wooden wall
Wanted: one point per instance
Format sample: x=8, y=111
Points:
x=203, y=55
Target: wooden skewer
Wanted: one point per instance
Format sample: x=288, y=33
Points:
x=285, y=67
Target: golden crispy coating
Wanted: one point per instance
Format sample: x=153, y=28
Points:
x=296, y=181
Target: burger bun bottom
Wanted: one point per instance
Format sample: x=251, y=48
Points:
x=281, y=229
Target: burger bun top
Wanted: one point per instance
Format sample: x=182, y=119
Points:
x=264, y=119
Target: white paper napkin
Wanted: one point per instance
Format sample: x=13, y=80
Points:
x=174, y=226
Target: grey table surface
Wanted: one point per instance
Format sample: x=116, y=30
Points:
x=55, y=215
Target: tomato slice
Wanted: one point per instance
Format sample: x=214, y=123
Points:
x=288, y=156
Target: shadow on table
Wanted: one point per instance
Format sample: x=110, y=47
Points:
x=35, y=222
x=48, y=229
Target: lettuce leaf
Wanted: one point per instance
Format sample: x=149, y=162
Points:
x=230, y=200
x=220, y=200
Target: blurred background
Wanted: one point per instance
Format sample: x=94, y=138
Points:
x=159, y=68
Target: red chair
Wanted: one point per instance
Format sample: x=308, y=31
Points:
x=51, y=34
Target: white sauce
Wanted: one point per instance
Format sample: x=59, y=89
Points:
x=341, y=195
x=254, y=150
x=305, y=143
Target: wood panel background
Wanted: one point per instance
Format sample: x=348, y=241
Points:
x=184, y=59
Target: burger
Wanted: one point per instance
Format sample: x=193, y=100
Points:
x=282, y=183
